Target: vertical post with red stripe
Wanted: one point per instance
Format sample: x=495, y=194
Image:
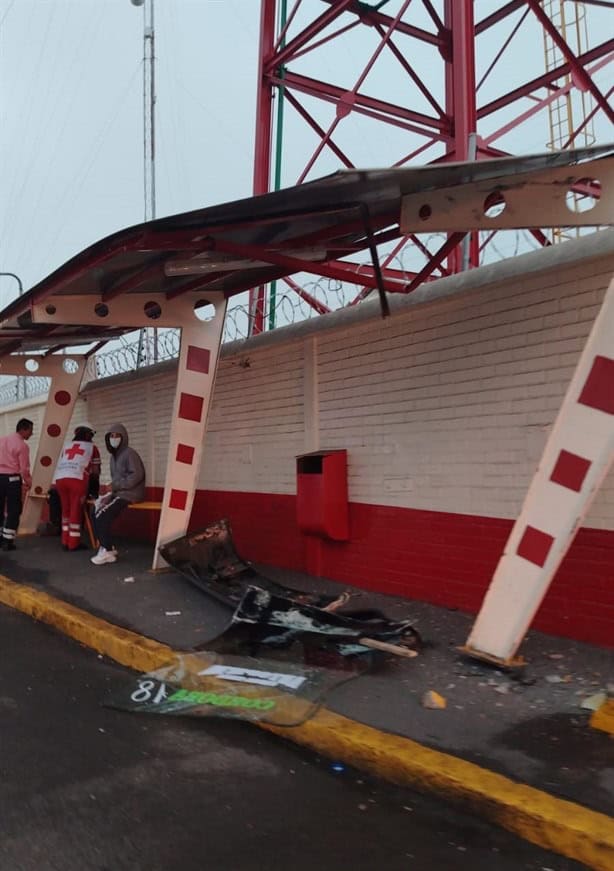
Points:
x=66, y=374
x=576, y=459
x=200, y=346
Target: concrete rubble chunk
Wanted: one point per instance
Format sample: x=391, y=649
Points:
x=433, y=700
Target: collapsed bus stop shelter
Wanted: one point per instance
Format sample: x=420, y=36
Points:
x=180, y=272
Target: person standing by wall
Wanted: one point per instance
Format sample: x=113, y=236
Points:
x=79, y=461
x=127, y=485
x=15, y=479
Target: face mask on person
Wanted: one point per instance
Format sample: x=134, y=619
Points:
x=115, y=441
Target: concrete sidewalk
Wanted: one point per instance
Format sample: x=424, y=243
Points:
x=530, y=729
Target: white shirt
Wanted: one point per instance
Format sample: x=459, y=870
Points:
x=74, y=460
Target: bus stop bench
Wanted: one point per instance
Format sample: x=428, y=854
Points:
x=138, y=506
x=88, y=505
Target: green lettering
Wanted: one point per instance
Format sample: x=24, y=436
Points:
x=223, y=701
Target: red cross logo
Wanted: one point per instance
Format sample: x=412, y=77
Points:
x=73, y=451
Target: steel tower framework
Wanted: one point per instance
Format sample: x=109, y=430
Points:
x=451, y=80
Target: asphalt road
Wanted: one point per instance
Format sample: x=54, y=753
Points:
x=87, y=788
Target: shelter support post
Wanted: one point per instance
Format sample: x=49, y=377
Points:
x=66, y=373
x=577, y=456
x=201, y=320
x=200, y=345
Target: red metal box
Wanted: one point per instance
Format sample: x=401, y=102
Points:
x=322, y=494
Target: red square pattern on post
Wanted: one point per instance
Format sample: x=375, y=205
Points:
x=191, y=407
x=198, y=359
x=178, y=499
x=570, y=471
x=598, y=390
x=535, y=546
x=185, y=454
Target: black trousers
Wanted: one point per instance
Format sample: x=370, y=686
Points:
x=10, y=505
x=104, y=517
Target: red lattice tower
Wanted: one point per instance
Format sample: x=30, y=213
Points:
x=437, y=80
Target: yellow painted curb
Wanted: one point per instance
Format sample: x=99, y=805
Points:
x=128, y=648
x=552, y=823
x=603, y=718
x=562, y=826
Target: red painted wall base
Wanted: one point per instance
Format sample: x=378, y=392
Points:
x=446, y=559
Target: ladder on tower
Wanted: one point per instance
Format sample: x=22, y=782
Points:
x=568, y=111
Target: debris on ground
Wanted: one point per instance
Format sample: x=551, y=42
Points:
x=275, y=616
x=209, y=684
x=594, y=702
x=502, y=688
x=433, y=700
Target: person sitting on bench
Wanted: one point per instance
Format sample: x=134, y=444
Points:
x=127, y=485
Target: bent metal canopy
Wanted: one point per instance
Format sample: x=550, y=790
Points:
x=233, y=247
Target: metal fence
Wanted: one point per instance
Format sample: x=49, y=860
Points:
x=18, y=389
x=289, y=304
x=147, y=347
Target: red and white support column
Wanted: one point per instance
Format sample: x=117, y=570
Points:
x=576, y=459
x=201, y=320
x=66, y=373
x=200, y=346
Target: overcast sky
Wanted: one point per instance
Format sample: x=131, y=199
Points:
x=71, y=123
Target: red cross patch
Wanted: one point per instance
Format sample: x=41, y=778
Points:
x=73, y=451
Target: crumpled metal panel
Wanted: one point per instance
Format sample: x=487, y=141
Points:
x=270, y=615
x=279, y=620
x=210, y=561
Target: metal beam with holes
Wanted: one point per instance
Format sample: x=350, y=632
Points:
x=138, y=310
x=559, y=197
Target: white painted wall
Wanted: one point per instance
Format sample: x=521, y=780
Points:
x=444, y=406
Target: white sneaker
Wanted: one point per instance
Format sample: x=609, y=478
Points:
x=104, y=556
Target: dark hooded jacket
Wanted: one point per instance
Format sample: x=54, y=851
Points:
x=127, y=470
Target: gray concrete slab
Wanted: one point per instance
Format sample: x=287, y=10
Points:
x=530, y=728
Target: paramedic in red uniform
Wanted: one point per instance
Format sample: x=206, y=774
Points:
x=14, y=477
x=78, y=461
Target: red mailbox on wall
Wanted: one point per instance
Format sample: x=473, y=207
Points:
x=322, y=494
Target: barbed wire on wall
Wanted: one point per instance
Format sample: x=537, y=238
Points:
x=130, y=355
x=18, y=389
x=149, y=347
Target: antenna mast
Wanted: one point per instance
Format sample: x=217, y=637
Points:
x=149, y=147
x=149, y=110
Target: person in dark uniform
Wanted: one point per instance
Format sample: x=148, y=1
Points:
x=15, y=479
